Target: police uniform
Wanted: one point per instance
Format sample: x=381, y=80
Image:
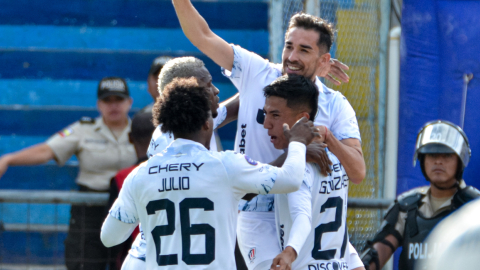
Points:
x=460, y=237
x=414, y=215
x=416, y=212
x=100, y=155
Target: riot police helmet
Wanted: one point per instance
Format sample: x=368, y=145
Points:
x=442, y=137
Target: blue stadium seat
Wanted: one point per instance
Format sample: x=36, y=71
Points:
x=52, y=60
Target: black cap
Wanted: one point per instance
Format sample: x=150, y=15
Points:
x=112, y=86
x=158, y=64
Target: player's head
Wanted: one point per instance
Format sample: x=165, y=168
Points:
x=186, y=67
x=141, y=132
x=307, y=44
x=184, y=110
x=288, y=98
x=155, y=69
x=114, y=99
x=443, y=151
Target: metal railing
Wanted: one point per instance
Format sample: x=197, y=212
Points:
x=95, y=198
x=360, y=207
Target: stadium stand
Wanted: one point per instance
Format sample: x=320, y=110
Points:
x=52, y=60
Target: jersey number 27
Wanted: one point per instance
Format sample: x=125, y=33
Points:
x=317, y=252
x=186, y=228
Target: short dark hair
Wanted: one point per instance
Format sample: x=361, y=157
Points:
x=324, y=29
x=299, y=91
x=157, y=65
x=142, y=127
x=183, y=107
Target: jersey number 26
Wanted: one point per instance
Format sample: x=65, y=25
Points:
x=186, y=228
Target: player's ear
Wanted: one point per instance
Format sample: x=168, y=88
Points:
x=206, y=125
x=324, y=60
x=303, y=114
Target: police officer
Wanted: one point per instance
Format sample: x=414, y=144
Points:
x=102, y=148
x=443, y=152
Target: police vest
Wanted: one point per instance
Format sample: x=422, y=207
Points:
x=417, y=227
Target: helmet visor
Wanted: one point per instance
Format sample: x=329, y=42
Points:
x=442, y=137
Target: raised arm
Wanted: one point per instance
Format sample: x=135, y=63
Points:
x=197, y=31
x=232, y=104
x=34, y=155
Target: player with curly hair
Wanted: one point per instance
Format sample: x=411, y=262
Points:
x=186, y=197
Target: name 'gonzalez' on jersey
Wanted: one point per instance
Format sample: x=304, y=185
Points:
x=327, y=245
x=186, y=199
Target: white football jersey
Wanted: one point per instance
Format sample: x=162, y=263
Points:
x=325, y=199
x=250, y=74
x=186, y=199
x=160, y=141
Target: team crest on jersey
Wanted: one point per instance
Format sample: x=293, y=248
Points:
x=66, y=132
x=251, y=254
x=250, y=160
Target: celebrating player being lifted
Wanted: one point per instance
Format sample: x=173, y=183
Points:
x=311, y=222
x=306, y=52
x=186, y=197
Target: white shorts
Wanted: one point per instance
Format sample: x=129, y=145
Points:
x=354, y=260
x=257, y=237
x=132, y=263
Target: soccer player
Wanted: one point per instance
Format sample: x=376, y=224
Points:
x=306, y=52
x=181, y=67
x=311, y=222
x=186, y=67
x=186, y=197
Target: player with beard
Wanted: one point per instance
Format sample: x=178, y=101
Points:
x=187, y=191
x=443, y=151
x=306, y=52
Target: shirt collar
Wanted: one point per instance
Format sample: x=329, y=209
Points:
x=428, y=192
x=101, y=127
x=180, y=143
x=319, y=84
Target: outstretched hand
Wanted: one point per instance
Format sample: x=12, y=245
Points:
x=303, y=131
x=337, y=71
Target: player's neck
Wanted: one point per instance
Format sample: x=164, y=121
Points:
x=198, y=136
x=140, y=150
